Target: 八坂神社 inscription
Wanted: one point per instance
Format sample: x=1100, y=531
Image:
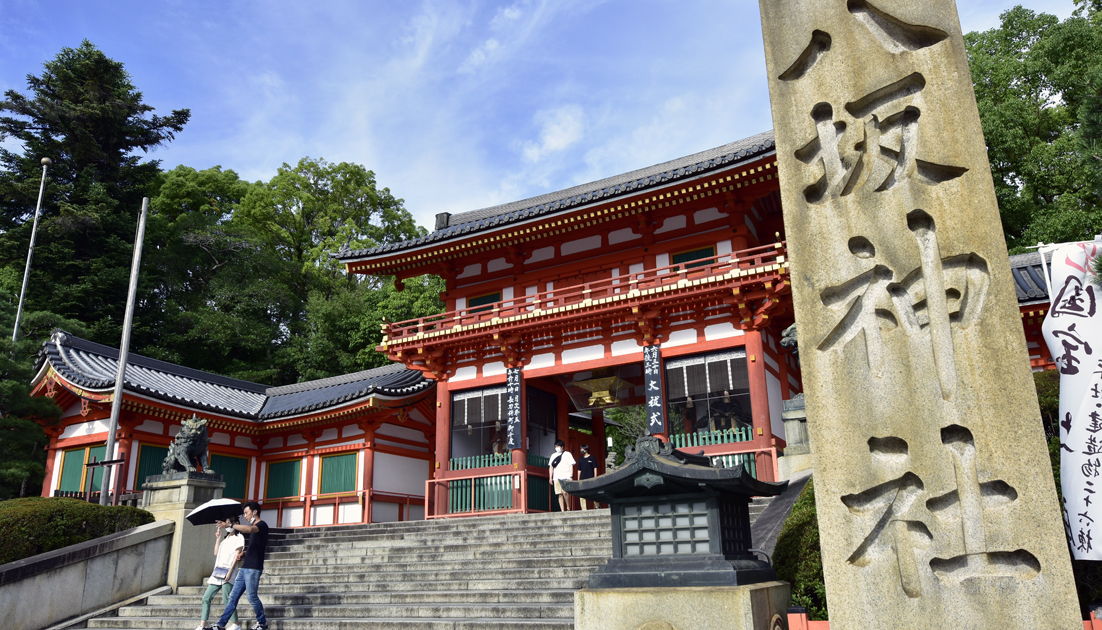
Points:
x=935, y=503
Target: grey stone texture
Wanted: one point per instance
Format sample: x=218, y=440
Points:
x=935, y=499
x=49, y=588
x=171, y=498
x=755, y=607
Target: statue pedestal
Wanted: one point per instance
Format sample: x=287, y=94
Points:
x=762, y=606
x=171, y=497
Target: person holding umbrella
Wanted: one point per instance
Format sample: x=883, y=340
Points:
x=251, y=568
x=228, y=552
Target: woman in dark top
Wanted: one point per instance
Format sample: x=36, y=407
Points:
x=587, y=469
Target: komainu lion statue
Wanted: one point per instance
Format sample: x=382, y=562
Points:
x=189, y=449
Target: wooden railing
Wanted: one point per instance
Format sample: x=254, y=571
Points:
x=711, y=438
x=474, y=495
x=747, y=262
x=480, y=461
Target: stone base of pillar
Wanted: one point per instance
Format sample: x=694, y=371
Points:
x=761, y=606
x=171, y=497
x=789, y=465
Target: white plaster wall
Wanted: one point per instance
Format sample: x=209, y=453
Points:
x=493, y=368
x=315, y=483
x=173, y=430
x=672, y=223
x=243, y=442
x=471, y=270
x=662, y=260
x=296, y=440
x=263, y=472
x=359, y=471
x=292, y=517
x=581, y=245
x=638, y=267
x=769, y=360
x=622, y=236
x=626, y=346
x=497, y=264
x=277, y=442
x=706, y=215
x=220, y=438
x=460, y=303
x=73, y=410
x=416, y=512
x=328, y=434
x=405, y=433
x=403, y=475
x=465, y=373
x=540, y=255
x=723, y=248
x=541, y=361
x=722, y=330
x=773, y=386
x=132, y=474
x=321, y=515
x=384, y=512
x=252, y=478
x=349, y=513
x=586, y=353
x=680, y=338
x=151, y=426
x=85, y=428
x=350, y=430
x=302, y=476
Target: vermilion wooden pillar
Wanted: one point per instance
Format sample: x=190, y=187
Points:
x=443, y=445
x=759, y=402
x=310, y=437
x=369, y=470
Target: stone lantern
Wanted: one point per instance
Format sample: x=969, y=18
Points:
x=677, y=520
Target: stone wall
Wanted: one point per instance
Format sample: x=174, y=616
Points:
x=40, y=591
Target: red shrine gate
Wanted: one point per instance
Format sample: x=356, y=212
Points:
x=565, y=291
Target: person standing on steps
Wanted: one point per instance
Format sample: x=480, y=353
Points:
x=562, y=468
x=228, y=553
x=587, y=469
x=248, y=578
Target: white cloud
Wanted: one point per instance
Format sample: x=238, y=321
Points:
x=479, y=56
x=559, y=129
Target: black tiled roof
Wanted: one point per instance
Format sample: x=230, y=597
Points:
x=1029, y=279
x=92, y=365
x=463, y=224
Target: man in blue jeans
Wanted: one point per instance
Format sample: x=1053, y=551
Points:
x=248, y=578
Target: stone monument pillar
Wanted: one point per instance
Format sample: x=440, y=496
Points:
x=935, y=498
x=797, y=450
x=171, y=496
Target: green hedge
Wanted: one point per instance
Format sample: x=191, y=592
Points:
x=798, y=558
x=36, y=525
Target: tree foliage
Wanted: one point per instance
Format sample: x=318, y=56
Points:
x=1030, y=89
x=84, y=113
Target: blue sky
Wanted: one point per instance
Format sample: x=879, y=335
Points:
x=455, y=105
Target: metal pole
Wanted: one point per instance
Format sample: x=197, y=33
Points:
x=124, y=348
x=30, y=251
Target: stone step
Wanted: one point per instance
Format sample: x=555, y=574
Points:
x=597, y=527
x=535, y=540
x=399, y=623
x=383, y=587
x=465, y=523
x=347, y=565
x=431, y=575
x=364, y=611
x=548, y=596
x=431, y=553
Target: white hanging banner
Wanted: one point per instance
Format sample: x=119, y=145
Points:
x=1073, y=332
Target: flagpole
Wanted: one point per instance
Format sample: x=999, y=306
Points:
x=124, y=350
x=30, y=251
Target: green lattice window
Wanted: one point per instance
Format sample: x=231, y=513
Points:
x=150, y=462
x=72, y=470
x=235, y=473
x=338, y=473
x=696, y=254
x=283, y=479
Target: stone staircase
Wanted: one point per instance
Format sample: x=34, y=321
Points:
x=480, y=573
x=757, y=506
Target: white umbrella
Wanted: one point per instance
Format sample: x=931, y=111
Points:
x=214, y=510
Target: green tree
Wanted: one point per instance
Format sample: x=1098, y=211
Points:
x=22, y=417
x=1029, y=81
x=630, y=425
x=84, y=113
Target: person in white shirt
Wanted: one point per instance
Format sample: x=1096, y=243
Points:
x=228, y=553
x=562, y=467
